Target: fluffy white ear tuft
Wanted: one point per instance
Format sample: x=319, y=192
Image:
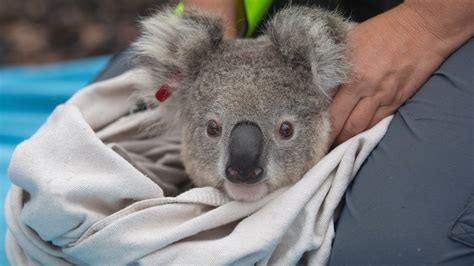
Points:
x=315, y=38
x=172, y=46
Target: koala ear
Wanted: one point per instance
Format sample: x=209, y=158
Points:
x=315, y=38
x=172, y=46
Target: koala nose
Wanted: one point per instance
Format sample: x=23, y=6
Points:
x=245, y=150
x=249, y=177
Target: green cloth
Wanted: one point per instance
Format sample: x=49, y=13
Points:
x=254, y=11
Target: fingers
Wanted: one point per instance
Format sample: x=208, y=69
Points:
x=366, y=114
x=341, y=107
x=359, y=120
x=370, y=109
x=385, y=110
x=382, y=112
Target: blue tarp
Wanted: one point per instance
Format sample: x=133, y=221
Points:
x=28, y=94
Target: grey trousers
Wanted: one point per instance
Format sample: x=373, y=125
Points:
x=412, y=202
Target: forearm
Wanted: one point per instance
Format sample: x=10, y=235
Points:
x=228, y=9
x=447, y=24
x=449, y=18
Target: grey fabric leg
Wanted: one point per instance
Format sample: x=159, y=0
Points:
x=412, y=202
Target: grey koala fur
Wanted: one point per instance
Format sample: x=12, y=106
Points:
x=288, y=74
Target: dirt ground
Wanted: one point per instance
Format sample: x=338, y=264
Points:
x=41, y=31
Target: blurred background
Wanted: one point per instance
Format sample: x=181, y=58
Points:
x=42, y=31
x=49, y=49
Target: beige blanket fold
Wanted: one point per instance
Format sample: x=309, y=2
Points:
x=90, y=189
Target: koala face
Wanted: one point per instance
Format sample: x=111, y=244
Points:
x=254, y=112
x=252, y=121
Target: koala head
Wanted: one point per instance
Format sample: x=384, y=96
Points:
x=254, y=112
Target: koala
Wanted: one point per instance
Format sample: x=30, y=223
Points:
x=253, y=112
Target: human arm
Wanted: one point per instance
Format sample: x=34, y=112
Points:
x=392, y=55
x=228, y=8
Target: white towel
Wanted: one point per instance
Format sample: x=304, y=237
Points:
x=89, y=189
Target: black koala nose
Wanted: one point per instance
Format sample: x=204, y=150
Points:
x=245, y=150
x=244, y=176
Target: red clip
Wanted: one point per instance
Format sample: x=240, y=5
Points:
x=163, y=93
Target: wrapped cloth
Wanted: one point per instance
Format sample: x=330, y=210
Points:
x=91, y=188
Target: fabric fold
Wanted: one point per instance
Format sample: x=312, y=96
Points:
x=89, y=189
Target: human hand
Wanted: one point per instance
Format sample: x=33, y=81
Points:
x=392, y=55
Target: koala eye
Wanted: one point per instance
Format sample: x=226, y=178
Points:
x=213, y=129
x=286, y=130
